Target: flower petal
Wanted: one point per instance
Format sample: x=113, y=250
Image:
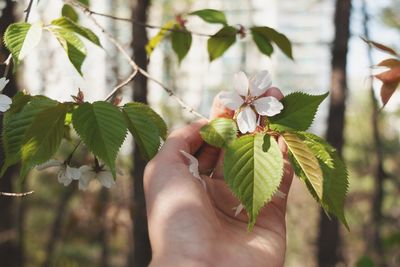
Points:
x=106, y=179
x=268, y=106
x=3, y=83
x=87, y=174
x=5, y=103
x=241, y=83
x=230, y=100
x=73, y=173
x=194, y=167
x=260, y=83
x=247, y=120
x=62, y=177
x=49, y=164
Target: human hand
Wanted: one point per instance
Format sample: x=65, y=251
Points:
x=193, y=226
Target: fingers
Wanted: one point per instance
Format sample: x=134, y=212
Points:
x=208, y=155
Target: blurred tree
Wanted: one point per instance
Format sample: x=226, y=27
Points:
x=374, y=242
x=10, y=243
x=140, y=254
x=329, y=238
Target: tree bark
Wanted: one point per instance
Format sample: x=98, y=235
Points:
x=10, y=247
x=329, y=253
x=140, y=254
x=375, y=246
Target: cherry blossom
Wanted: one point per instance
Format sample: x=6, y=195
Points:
x=5, y=101
x=104, y=176
x=66, y=174
x=247, y=98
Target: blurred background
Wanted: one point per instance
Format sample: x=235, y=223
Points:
x=62, y=226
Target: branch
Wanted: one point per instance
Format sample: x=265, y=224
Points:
x=16, y=194
x=133, y=64
x=135, y=22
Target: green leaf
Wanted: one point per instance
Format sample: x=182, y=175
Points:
x=335, y=175
x=253, y=168
x=219, y=132
x=211, y=16
x=69, y=12
x=220, y=42
x=146, y=126
x=181, y=42
x=72, y=45
x=69, y=25
x=263, y=43
x=263, y=36
x=18, y=102
x=43, y=137
x=21, y=38
x=305, y=159
x=298, y=112
x=102, y=128
x=17, y=121
x=152, y=44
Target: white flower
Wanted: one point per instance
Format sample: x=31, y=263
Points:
x=88, y=173
x=66, y=174
x=247, y=96
x=5, y=101
x=194, y=167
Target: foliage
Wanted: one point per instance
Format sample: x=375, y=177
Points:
x=390, y=78
x=219, y=42
x=253, y=164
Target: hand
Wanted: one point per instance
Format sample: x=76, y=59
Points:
x=191, y=226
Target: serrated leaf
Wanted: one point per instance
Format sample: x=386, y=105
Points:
x=21, y=38
x=298, y=112
x=307, y=161
x=263, y=36
x=253, y=168
x=181, y=42
x=73, y=46
x=19, y=100
x=211, y=16
x=69, y=12
x=153, y=42
x=220, y=42
x=102, y=128
x=219, y=132
x=43, y=137
x=146, y=126
x=68, y=24
x=15, y=125
x=263, y=43
x=335, y=175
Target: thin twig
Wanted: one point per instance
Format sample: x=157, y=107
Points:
x=133, y=63
x=16, y=194
x=122, y=84
x=28, y=10
x=138, y=23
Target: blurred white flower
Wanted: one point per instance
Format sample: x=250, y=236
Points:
x=5, y=101
x=88, y=173
x=66, y=174
x=248, y=97
x=194, y=167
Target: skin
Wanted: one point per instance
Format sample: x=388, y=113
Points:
x=193, y=226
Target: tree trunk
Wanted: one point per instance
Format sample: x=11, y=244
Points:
x=10, y=250
x=375, y=246
x=55, y=233
x=140, y=254
x=329, y=253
